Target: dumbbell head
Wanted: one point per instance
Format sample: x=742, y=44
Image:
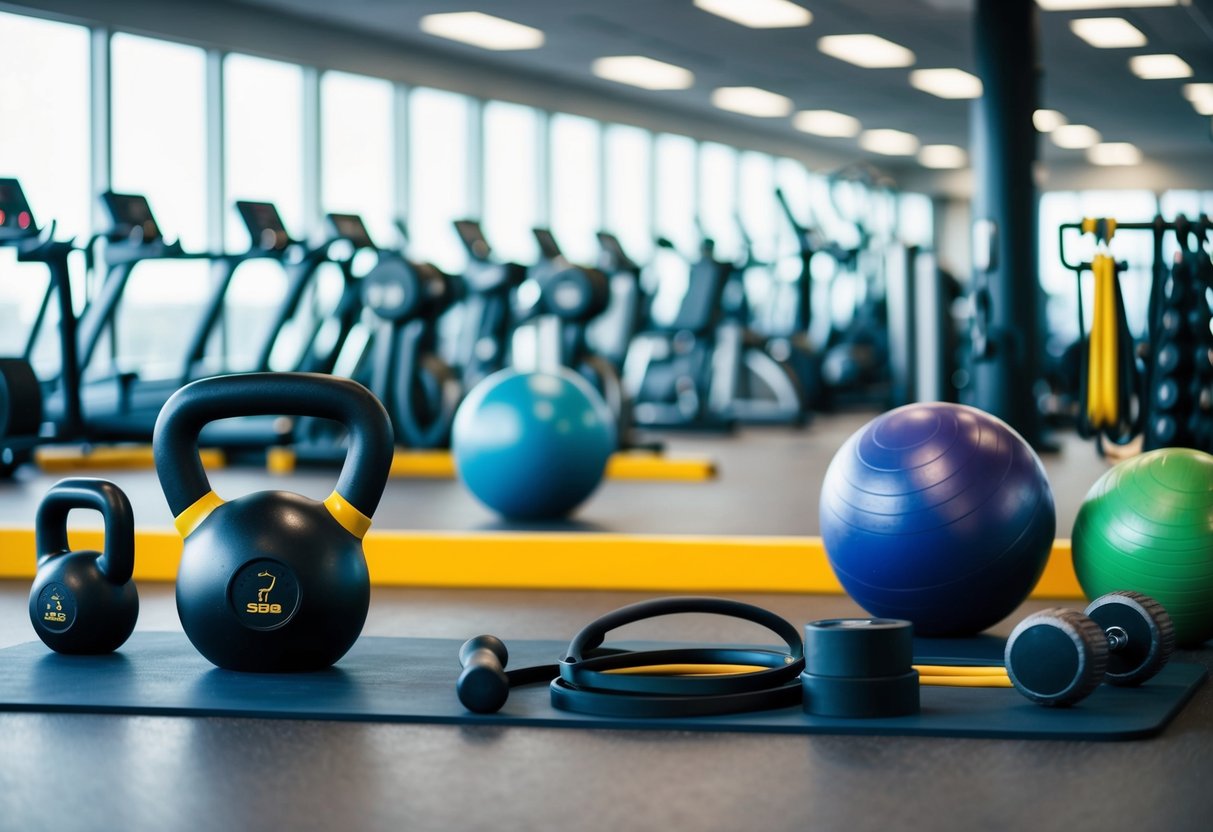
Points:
x=483, y=686
x=1140, y=635
x=1056, y=657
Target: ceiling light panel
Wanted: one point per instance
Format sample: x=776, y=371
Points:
x=826, y=123
x=759, y=14
x=752, y=101
x=639, y=71
x=1114, y=153
x=942, y=156
x=1087, y=5
x=1075, y=136
x=1155, y=67
x=1201, y=96
x=483, y=30
x=946, y=83
x=1108, y=32
x=1046, y=121
x=889, y=142
x=867, y=51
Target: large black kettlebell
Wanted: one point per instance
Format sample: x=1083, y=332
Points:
x=84, y=602
x=273, y=581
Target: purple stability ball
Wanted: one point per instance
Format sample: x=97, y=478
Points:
x=940, y=514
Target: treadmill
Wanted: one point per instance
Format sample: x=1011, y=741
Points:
x=24, y=421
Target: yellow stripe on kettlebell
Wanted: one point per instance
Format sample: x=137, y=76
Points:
x=350, y=518
x=193, y=516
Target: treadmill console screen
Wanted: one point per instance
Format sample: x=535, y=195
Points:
x=128, y=213
x=470, y=233
x=16, y=220
x=350, y=227
x=548, y=247
x=264, y=224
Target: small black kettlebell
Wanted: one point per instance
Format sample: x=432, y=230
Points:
x=84, y=602
x=273, y=581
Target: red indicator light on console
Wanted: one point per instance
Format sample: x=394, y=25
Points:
x=23, y=220
x=2, y=218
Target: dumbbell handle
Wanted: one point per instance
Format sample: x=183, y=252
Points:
x=1117, y=638
x=483, y=686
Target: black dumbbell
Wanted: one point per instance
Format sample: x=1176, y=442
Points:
x=483, y=686
x=1058, y=657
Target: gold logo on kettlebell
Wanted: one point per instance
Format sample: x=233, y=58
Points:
x=262, y=604
x=56, y=614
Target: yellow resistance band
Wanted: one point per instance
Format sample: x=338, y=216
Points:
x=935, y=675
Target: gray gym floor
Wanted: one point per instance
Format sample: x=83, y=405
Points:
x=80, y=772
x=769, y=484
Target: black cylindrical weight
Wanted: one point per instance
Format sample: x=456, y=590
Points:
x=1166, y=394
x=84, y=601
x=1168, y=358
x=858, y=647
x=483, y=686
x=273, y=581
x=859, y=668
x=860, y=698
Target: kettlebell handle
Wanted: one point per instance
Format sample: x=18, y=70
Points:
x=363, y=474
x=117, y=560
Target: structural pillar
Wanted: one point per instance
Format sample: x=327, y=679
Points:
x=1008, y=301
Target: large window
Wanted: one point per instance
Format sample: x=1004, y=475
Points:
x=263, y=123
x=158, y=100
x=263, y=139
x=718, y=198
x=44, y=129
x=356, y=158
x=675, y=196
x=629, y=189
x=511, y=179
x=438, y=175
x=756, y=206
x=674, y=199
x=159, y=131
x=576, y=185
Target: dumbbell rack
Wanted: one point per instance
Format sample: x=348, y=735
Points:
x=1175, y=406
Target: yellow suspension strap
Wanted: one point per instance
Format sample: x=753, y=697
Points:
x=1111, y=373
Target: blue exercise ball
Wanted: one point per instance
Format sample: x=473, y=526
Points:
x=940, y=514
x=532, y=446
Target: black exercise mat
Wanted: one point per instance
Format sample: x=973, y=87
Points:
x=413, y=680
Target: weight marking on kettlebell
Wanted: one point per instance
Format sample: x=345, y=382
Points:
x=58, y=607
x=264, y=594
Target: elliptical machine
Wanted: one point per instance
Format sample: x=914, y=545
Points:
x=611, y=333
x=419, y=389
x=752, y=382
x=482, y=347
x=668, y=370
x=570, y=299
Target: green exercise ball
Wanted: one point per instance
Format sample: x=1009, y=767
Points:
x=1147, y=525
